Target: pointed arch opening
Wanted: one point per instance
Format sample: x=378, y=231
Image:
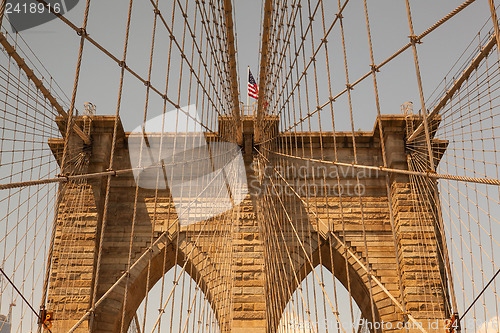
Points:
x=322, y=303
x=176, y=303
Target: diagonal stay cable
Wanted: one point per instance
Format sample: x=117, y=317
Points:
x=219, y=172
x=22, y=296
x=379, y=66
x=308, y=258
x=122, y=64
x=146, y=253
x=480, y=294
x=351, y=253
x=65, y=179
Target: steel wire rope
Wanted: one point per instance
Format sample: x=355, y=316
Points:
x=22, y=296
x=378, y=67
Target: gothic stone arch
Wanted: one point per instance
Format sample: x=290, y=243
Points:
x=77, y=235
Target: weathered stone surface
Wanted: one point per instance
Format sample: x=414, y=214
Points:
x=240, y=286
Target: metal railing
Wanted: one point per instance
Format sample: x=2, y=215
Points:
x=249, y=110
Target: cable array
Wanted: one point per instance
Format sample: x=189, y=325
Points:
x=203, y=219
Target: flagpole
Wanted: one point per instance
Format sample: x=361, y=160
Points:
x=248, y=80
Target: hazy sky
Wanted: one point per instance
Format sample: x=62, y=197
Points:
x=57, y=46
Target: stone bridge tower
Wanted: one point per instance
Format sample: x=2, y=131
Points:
x=387, y=262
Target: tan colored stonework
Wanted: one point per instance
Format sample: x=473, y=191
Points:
x=252, y=307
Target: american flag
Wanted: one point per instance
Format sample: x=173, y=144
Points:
x=253, y=91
